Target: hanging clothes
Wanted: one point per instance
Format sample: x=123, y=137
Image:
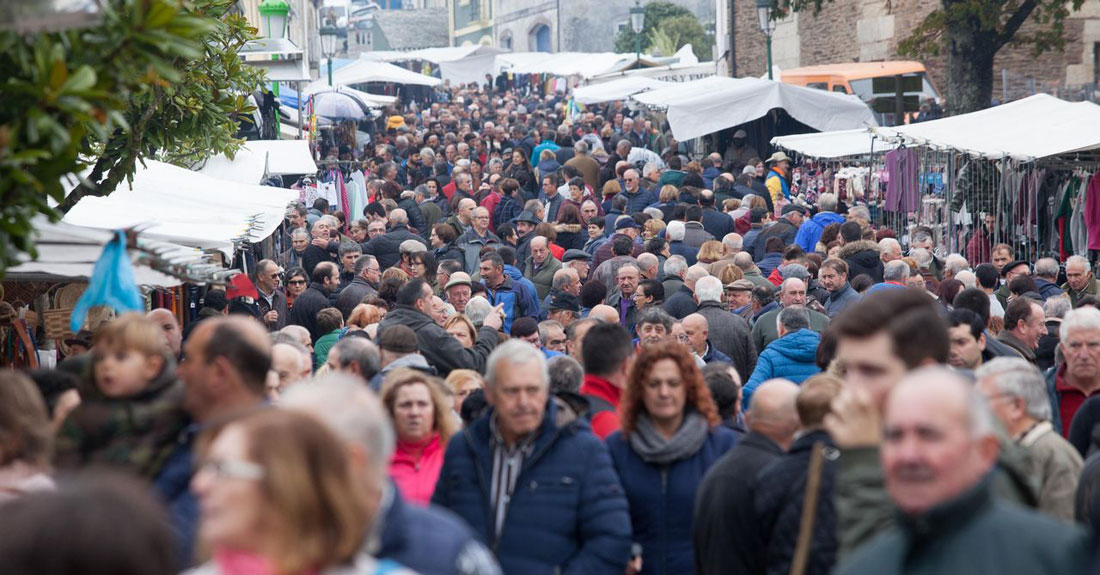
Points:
x=903, y=187
x=1092, y=211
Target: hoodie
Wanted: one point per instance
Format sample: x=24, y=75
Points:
x=790, y=357
x=863, y=257
x=810, y=231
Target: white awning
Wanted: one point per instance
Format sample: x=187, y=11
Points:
x=620, y=89
x=712, y=104
x=1036, y=127
x=839, y=144
x=580, y=64
x=260, y=158
x=371, y=100
x=363, y=71
x=283, y=70
x=185, y=207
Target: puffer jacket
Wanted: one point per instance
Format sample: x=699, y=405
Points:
x=662, y=499
x=789, y=357
x=810, y=231
x=567, y=515
x=863, y=257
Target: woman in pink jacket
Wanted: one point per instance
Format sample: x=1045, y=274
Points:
x=421, y=417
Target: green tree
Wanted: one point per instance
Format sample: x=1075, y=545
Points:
x=157, y=79
x=971, y=32
x=676, y=32
x=656, y=13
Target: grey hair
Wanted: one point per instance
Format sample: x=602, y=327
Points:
x=1057, y=306
x=1082, y=318
x=561, y=279
x=794, y=318
x=655, y=315
x=399, y=216
x=1017, y=377
x=544, y=329
x=956, y=263
x=967, y=278
x=360, y=351
x=1078, y=261
x=798, y=271
x=566, y=374
x=654, y=213
x=580, y=148
x=349, y=409
x=859, y=212
x=733, y=241
x=675, y=231
x=827, y=202
x=299, y=232
x=921, y=237
x=896, y=270
x=889, y=245
x=708, y=289
x=1046, y=268
x=427, y=153
x=496, y=162
x=675, y=265
x=329, y=220
x=515, y=352
x=480, y=310
x=922, y=256
x=650, y=168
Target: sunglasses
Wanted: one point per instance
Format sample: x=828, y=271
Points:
x=296, y=282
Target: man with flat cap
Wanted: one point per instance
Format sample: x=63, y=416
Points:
x=578, y=260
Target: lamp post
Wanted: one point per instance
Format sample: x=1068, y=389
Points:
x=765, y=10
x=330, y=36
x=637, y=23
x=273, y=17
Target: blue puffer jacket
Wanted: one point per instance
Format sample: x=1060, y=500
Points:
x=567, y=515
x=810, y=231
x=789, y=357
x=662, y=500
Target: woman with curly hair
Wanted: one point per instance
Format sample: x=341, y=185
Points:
x=670, y=437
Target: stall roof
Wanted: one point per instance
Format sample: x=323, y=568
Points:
x=260, y=158
x=70, y=252
x=620, y=89
x=1036, y=127
x=712, y=104
x=174, y=204
x=838, y=144
x=363, y=71
x=433, y=55
x=581, y=64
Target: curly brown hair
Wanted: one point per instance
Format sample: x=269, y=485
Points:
x=698, y=395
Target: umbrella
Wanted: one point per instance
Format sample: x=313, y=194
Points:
x=336, y=104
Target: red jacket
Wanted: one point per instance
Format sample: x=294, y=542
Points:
x=415, y=468
x=604, y=423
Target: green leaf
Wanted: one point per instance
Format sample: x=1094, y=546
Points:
x=83, y=79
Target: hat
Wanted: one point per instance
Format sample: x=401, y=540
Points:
x=564, y=300
x=394, y=121
x=793, y=208
x=526, y=216
x=778, y=157
x=398, y=339
x=82, y=337
x=625, y=222
x=459, y=279
x=1013, y=264
x=740, y=134
x=574, y=254
x=411, y=247
x=741, y=285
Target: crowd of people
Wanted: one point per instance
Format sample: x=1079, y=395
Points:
x=563, y=343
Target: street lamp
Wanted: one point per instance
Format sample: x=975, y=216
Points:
x=273, y=17
x=765, y=9
x=330, y=38
x=637, y=23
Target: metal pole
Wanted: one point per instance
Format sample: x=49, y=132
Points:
x=768, y=42
x=637, y=50
x=330, y=71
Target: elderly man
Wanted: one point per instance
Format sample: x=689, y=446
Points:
x=566, y=280
x=1046, y=277
x=1080, y=281
x=170, y=327
x=476, y=238
x=810, y=232
x=459, y=289
x=785, y=228
x=1009, y=272
x=428, y=540
x=1078, y=377
x=729, y=333
x=674, y=268
x=271, y=302
x=654, y=325
x=525, y=435
x=793, y=356
x=577, y=260
x=224, y=373
x=697, y=329
x=291, y=363
x=622, y=299
x=541, y=266
x=939, y=454
x=726, y=532
x=1024, y=325
x=792, y=293
x=1017, y=394
x=681, y=303
x=299, y=241
x=889, y=250
x=895, y=275
x=648, y=265
x=368, y=274
x=441, y=349
x=385, y=247
x=637, y=197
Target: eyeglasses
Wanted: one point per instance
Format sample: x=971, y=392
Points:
x=232, y=469
x=275, y=275
x=296, y=282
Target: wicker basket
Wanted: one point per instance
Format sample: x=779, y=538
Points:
x=56, y=323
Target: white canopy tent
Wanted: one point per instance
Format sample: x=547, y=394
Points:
x=712, y=104
x=363, y=71
x=838, y=144
x=70, y=252
x=619, y=89
x=261, y=158
x=459, y=64
x=1036, y=127
x=371, y=100
x=175, y=204
x=580, y=64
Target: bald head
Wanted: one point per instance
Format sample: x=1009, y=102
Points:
x=773, y=413
x=604, y=313
x=648, y=263
x=399, y=217
x=228, y=360
x=169, y=327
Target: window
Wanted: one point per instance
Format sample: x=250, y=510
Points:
x=840, y=88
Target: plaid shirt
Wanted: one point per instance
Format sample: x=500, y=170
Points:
x=507, y=465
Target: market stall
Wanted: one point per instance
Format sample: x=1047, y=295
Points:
x=259, y=159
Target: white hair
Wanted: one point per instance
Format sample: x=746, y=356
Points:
x=696, y=273
x=480, y=309
x=299, y=233
x=896, y=270
x=1046, y=268
x=922, y=256
x=649, y=169
x=889, y=245
x=733, y=241
x=515, y=352
x=1017, y=377
x=956, y=263
x=967, y=278
x=674, y=266
x=654, y=213
x=1057, y=306
x=675, y=231
x=1083, y=318
x=708, y=288
x=1079, y=261
x=827, y=202
x=351, y=410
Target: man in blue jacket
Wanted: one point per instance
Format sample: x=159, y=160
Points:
x=532, y=480
x=810, y=232
x=503, y=290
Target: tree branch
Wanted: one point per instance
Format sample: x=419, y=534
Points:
x=1014, y=22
